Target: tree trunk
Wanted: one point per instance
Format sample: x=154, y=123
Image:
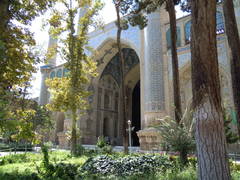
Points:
x=176, y=88
x=119, y=46
x=234, y=44
x=74, y=132
x=4, y=15
x=207, y=110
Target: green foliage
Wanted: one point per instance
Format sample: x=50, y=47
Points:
x=11, y=159
x=101, y=142
x=80, y=150
x=48, y=170
x=18, y=60
x=124, y=167
x=16, y=41
x=70, y=93
x=103, y=146
x=22, y=119
x=188, y=173
x=19, y=176
x=232, y=137
x=115, y=167
x=7, y=101
x=176, y=137
x=234, y=166
x=135, y=11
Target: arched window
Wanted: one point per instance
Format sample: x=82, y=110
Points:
x=168, y=34
x=106, y=100
x=59, y=73
x=52, y=74
x=187, y=29
x=220, y=23
x=65, y=72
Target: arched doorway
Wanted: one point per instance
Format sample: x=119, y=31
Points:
x=110, y=99
x=136, y=113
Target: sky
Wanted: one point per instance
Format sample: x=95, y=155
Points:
x=108, y=14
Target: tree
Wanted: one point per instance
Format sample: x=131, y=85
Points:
x=16, y=41
x=69, y=93
x=21, y=118
x=207, y=109
x=234, y=44
x=17, y=54
x=176, y=86
x=121, y=25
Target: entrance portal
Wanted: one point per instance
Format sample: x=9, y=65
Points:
x=136, y=113
x=109, y=111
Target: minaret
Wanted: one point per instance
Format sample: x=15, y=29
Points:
x=45, y=69
x=52, y=46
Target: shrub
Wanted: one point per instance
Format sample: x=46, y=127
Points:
x=64, y=171
x=13, y=158
x=131, y=165
x=26, y=175
x=103, y=147
x=101, y=142
x=234, y=166
x=80, y=150
x=188, y=173
x=48, y=170
x=177, y=137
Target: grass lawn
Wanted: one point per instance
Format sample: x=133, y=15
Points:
x=23, y=167
x=29, y=161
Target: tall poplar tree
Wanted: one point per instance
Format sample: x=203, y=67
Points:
x=70, y=93
x=234, y=45
x=120, y=24
x=207, y=109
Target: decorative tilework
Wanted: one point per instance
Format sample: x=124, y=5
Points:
x=113, y=67
x=52, y=74
x=131, y=36
x=153, y=66
x=187, y=30
x=65, y=72
x=168, y=34
x=59, y=73
x=220, y=23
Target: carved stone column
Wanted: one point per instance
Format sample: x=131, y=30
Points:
x=154, y=105
x=154, y=100
x=51, y=62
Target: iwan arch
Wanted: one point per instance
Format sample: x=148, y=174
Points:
x=148, y=80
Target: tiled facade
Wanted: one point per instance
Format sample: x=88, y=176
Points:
x=150, y=65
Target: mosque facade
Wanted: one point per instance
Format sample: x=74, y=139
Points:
x=147, y=78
